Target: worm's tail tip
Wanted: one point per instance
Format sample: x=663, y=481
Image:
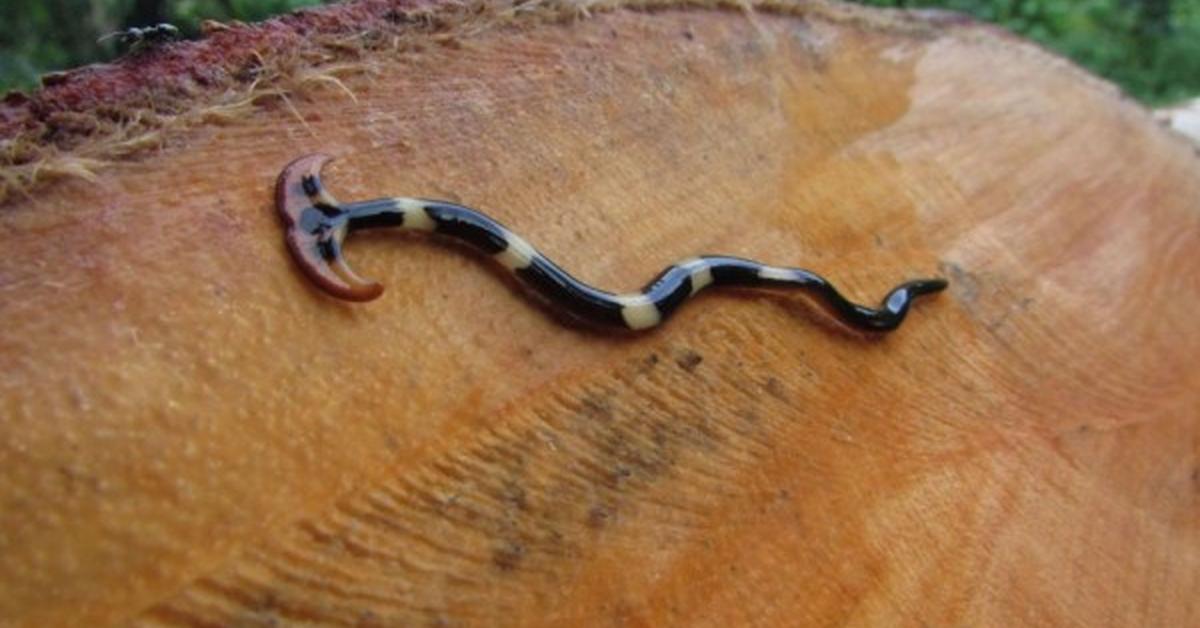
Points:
x=930, y=286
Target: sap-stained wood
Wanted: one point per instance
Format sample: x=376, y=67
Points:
x=192, y=435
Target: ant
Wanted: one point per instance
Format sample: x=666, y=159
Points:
x=136, y=39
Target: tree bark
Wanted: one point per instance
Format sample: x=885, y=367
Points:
x=194, y=435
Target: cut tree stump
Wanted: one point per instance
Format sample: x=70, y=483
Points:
x=191, y=434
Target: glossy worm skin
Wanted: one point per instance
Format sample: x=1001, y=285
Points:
x=317, y=224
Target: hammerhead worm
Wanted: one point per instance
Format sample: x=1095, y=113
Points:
x=316, y=225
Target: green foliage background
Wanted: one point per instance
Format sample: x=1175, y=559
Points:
x=1150, y=47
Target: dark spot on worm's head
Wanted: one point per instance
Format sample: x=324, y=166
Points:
x=688, y=360
x=508, y=556
x=312, y=220
x=310, y=185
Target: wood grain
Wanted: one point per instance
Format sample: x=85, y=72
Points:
x=192, y=435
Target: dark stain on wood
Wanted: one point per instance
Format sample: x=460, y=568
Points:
x=688, y=360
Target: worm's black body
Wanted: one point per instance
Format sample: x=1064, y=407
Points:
x=318, y=224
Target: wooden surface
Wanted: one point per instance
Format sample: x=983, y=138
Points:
x=192, y=435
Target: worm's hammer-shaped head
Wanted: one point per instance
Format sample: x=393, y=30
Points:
x=315, y=225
